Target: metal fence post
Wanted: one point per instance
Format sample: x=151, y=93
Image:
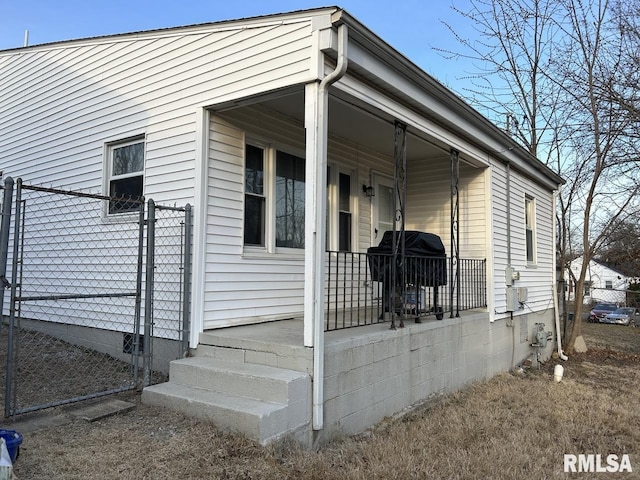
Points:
x=4, y=238
x=138, y=304
x=148, y=298
x=12, y=308
x=186, y=284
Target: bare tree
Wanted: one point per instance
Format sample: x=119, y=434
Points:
x=589, y=71
x=622, y=248
x=511, y=57
x=627, y=90
x=565, y=70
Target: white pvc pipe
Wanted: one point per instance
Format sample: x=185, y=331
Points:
x=318, y=325
x=554, y=292
x=554, y=284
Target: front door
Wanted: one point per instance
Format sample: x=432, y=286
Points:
x=383, y=207
x=383, y=214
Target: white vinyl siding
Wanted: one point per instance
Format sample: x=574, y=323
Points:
x=237, y=287
x=90, y=92
x=536, y=278
x=429, y=204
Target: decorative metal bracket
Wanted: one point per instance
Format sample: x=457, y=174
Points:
x=454, y=266
x=400, y=196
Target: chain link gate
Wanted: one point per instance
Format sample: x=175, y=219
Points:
x=81, y=297
x=167, y=281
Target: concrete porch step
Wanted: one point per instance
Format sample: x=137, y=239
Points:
x=243, y=379
x=223, y=346
x=258, y=420
x=259, y=401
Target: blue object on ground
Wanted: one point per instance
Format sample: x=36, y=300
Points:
x=13, y=440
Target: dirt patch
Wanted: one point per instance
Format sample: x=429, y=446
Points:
x=49, y=370
x=513, y=426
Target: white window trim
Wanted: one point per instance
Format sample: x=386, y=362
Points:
x=269, y=249
x=333, y=207
x=107, y=163
x=530, y=200
x=267, y=193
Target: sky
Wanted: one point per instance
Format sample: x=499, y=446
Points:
x=413, y=27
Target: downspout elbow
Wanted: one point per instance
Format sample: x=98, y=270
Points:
x=341, y=66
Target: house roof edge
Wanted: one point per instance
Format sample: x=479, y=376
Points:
x=181, y=28
x=513, y=151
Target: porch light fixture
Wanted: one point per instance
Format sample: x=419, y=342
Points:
x=368, y=191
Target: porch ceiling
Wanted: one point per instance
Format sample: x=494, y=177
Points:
x=360, y=124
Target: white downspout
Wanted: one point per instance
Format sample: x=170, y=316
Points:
x=322, y=125
x=554, y=285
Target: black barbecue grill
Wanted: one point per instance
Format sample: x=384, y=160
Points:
x=425, y=265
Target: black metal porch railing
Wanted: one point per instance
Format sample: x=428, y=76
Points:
x=363, y=289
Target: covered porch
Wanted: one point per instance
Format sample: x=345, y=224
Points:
x=315, y=197
x=301, y=183
x=378, y=176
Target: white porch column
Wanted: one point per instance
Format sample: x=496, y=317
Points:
x=199, y=224
x=316, y=103
x=315, y=210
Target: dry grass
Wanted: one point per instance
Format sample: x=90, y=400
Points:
x=509, y=427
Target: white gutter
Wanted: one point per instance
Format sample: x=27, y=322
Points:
x=322, y=125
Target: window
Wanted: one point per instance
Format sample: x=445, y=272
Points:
x=344, y=213
x=290, y=192
x=608, y=284
x=530, y=230
x=274, y=198
x=587, y=289
x=126, y=171
x=340, y=206
x=254, y=197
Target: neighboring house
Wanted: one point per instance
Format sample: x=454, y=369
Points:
x=602, y=283
x=299, y=139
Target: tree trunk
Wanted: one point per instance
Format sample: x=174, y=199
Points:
x=578, y=304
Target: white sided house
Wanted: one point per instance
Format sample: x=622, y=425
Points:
x=602, y=283
x=300, y=139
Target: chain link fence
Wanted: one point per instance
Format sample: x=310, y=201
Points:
x=168, y=270
x=81, y=320
x=619, y=297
